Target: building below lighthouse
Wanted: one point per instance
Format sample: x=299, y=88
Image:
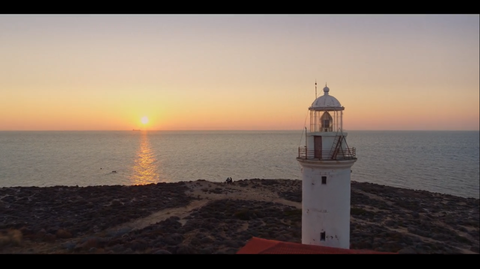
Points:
x=326, y=162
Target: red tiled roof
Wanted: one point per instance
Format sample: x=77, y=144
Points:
x=264, y=246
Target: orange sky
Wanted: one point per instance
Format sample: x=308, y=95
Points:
x=237, y=72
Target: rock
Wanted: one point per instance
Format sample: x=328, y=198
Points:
x=127, y=251
x=138, y=244
x=206, y=250
x=186, y=249
x=161, y=251
x=172, y=249
x=91, y=242
x=282, y=237
x=231, y=251
x=118, y=249
x=206, y=240
x=62, y=233
x=49, y=237
x=69, y=245
x=173, y=239
x=232, y=243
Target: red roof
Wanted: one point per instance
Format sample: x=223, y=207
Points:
x=264, y=246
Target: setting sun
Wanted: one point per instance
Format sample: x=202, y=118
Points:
x=144, y=120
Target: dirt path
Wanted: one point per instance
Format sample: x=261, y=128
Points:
x=206, y=192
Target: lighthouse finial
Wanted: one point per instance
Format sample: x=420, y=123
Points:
x=326, y=89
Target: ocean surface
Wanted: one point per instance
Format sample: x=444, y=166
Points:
x=437, y=161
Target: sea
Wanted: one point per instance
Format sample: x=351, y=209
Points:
x=437, y=161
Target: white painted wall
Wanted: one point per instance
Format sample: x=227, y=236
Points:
x=326, y=207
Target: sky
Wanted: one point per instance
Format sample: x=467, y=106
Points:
x=237, y=72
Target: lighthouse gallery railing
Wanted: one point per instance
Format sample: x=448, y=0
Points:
x=342, y=154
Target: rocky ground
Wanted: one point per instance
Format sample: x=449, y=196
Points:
x=202, y=217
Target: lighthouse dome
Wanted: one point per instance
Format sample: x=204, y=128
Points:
x=326, y=102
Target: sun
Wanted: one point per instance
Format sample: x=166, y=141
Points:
x=144, y=120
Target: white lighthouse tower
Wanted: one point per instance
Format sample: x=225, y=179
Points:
x=326, y=162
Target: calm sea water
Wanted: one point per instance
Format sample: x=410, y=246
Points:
x=437, y=161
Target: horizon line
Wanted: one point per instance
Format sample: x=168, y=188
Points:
x=236, y=130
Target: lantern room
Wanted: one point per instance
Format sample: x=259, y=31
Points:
x=326, y=113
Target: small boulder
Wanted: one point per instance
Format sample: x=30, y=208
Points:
x=62, y=233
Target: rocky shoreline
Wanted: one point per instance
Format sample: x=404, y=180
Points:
x=202, y=217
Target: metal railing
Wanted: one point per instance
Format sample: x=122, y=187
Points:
x=342, y=154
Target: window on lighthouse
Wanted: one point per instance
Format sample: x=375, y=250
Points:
x=324, y=180
x=322, y=236
x=326, y=122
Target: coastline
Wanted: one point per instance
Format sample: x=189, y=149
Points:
x=203, y=217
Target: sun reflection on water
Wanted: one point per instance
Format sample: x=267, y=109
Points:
x=145, y=168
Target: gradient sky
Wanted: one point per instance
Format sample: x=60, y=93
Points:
x=237, y=72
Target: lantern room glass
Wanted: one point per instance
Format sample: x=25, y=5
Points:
x=326, y=120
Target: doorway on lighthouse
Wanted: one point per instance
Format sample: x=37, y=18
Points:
x=317, y=145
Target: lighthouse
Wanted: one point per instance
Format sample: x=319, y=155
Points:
x=326, y=162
